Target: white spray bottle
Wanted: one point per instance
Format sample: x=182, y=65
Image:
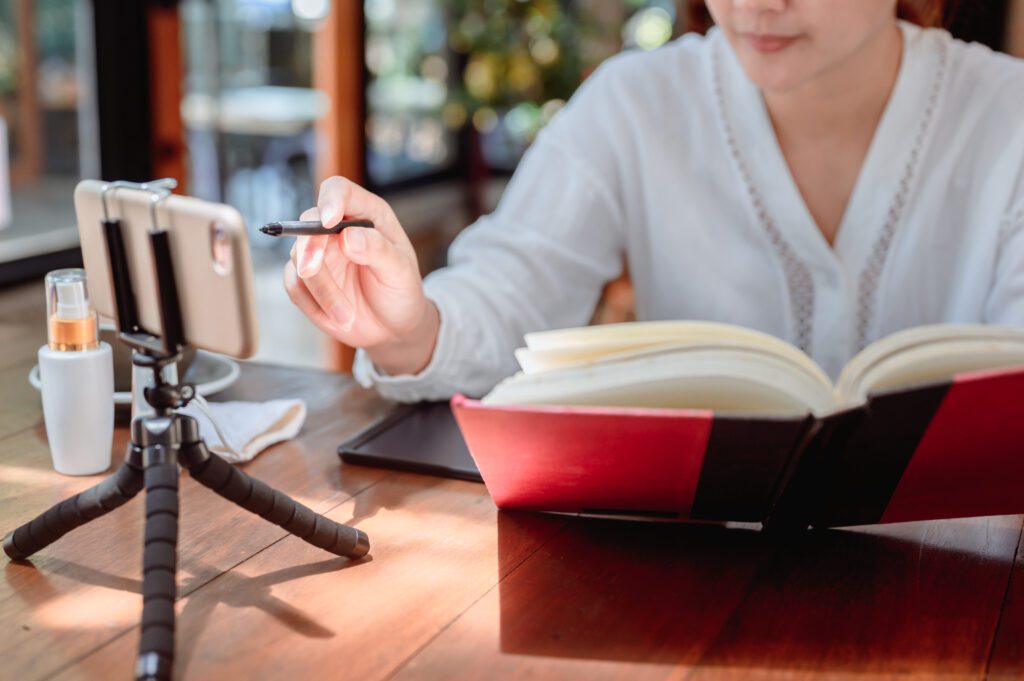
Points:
x=77, y=375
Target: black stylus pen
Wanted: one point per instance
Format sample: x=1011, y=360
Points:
x=309, y=227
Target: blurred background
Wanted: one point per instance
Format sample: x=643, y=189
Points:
x=429, y=103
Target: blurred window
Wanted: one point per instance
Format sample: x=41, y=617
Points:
x=47, y=122
x=497, y=70
x=248, y=106
x=409, y=130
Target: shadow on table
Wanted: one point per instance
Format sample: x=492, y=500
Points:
x=232, y=589
x=917, y=597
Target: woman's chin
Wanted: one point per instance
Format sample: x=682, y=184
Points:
x=774, y=73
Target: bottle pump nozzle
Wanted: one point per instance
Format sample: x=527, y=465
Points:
x=72, y=321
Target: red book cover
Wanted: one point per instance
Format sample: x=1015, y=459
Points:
x=947, y=450
x=944, y=450
x=632, y=461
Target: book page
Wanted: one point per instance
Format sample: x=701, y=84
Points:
x=928, y=354
x=722, y=377
x=559, y=348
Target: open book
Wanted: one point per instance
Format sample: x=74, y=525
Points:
x=725, y=368
x=703, y=420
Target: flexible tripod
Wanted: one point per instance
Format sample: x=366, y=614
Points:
x=160, y=441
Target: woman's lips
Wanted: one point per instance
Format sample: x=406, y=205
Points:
x=769, y=43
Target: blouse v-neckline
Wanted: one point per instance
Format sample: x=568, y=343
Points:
x=878, y=178
x=880, y=193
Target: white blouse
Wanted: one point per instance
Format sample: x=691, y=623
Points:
x=670, y=158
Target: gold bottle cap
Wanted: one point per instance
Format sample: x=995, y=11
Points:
x=72, y=321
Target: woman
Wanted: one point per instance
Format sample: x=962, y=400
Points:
x=821, y=170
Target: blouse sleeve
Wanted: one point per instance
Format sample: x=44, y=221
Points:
x=1005, y=305
x=538, y=262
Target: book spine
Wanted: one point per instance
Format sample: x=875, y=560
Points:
x=799, y=490
x=743, y=459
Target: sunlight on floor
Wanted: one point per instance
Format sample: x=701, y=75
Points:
x=92, y=608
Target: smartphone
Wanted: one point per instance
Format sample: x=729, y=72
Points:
x=209, y=253
x=422, y=438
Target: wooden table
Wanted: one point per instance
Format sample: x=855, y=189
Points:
x=455, y=589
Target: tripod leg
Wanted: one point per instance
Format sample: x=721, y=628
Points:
x=253, y=495
x=159, y=563
x=75, y=511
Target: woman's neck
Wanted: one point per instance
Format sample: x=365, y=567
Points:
x=847, y=99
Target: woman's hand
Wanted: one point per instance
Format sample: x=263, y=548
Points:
x=363, y=286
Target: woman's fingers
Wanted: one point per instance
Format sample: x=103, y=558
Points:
x=369, y=275
x=308, y=251
x=341, y=198
x=327, y=287
x=301, y=297
x=309, y=255
x=389, y=265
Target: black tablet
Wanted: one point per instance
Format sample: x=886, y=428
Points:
x=421, y=437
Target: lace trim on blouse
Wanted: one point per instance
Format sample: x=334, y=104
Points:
x=799, y=281
x=867, y=293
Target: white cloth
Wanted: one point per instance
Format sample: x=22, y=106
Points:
x=639, y=163
x=248, y=427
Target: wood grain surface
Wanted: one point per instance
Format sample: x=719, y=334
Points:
x=454, y=589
